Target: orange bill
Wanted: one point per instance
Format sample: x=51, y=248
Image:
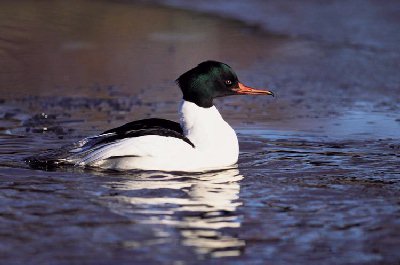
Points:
x=245, y=90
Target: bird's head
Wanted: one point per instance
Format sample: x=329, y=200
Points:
x=211, y=79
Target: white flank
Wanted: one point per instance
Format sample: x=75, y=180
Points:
x=216, y=146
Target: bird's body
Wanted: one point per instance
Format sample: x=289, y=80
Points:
x=202, y=140
x=213, y=144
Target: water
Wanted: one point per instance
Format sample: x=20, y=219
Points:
x=318, y=176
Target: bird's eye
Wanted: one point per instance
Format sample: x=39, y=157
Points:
x=228, y=82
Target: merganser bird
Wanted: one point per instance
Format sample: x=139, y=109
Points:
x=202, y=140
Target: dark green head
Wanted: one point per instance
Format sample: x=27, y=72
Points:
x=211, y=79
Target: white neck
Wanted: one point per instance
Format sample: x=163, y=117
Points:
x=193, y=116
x=208, y=131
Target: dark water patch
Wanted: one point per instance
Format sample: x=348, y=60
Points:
x=297, y=206
x=372, y=29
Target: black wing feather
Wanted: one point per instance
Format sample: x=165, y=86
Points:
x=153, y=126
x=146, y=124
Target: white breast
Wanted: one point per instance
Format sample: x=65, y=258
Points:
x=214, y=139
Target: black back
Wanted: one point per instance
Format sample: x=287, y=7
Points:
x=153, y=126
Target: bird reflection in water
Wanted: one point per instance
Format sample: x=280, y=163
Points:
x=201, y=206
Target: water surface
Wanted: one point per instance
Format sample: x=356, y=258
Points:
x=318, y=176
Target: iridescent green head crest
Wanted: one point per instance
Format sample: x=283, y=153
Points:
x=208, y=80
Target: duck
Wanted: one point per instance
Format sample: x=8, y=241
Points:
x=202, y=140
